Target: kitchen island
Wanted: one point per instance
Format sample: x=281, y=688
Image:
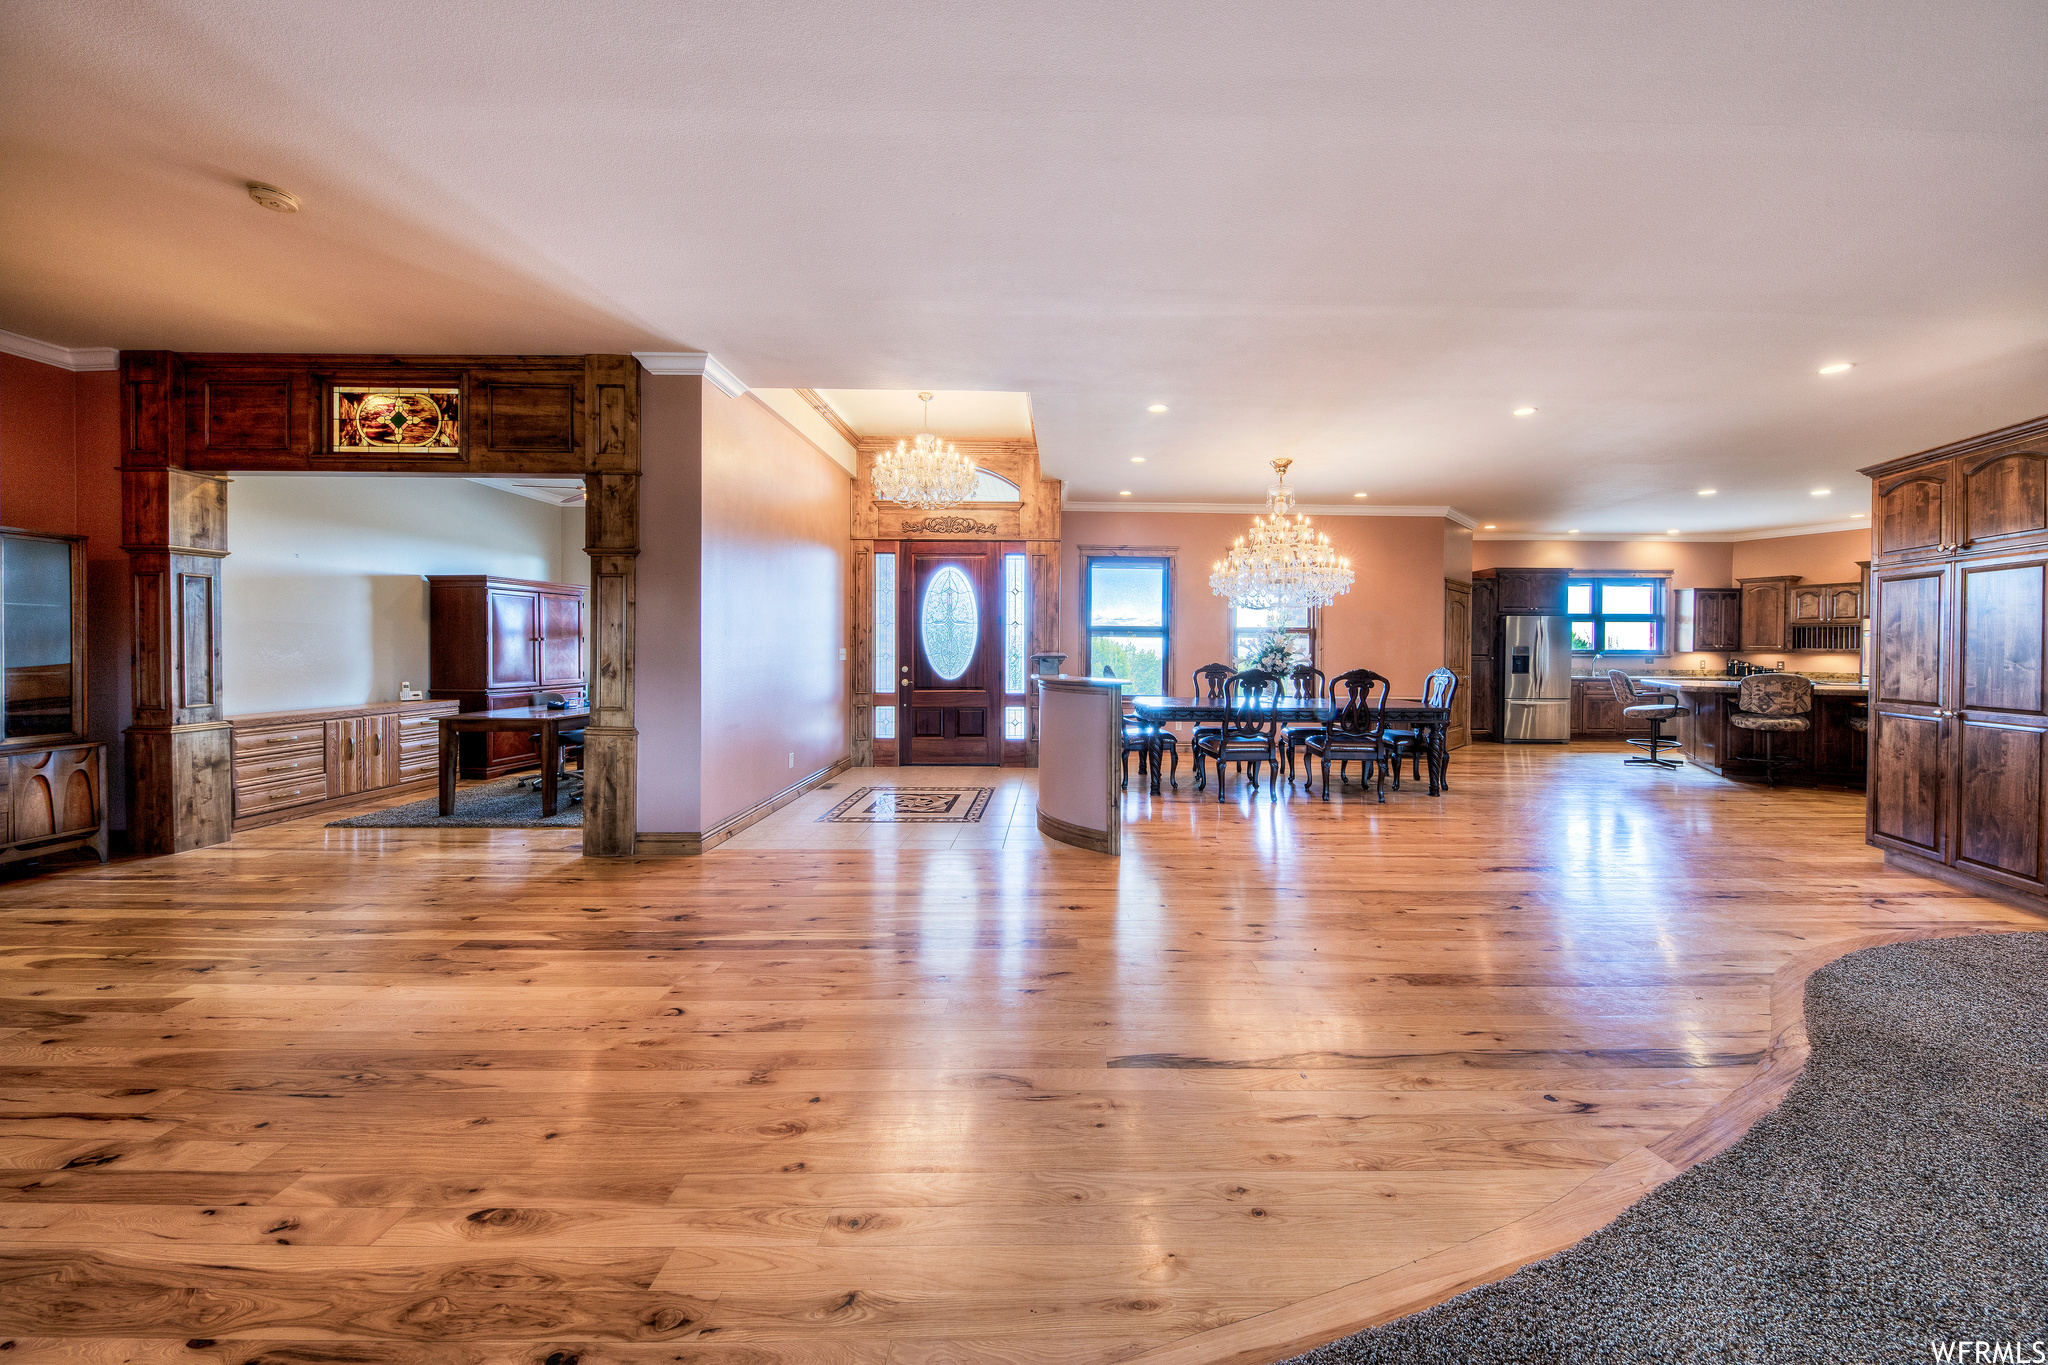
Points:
x=1834, y=752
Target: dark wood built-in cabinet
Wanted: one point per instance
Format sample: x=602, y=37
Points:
x=501, y=642
x=1710, y=619
x=293, y=763
x=1527, y=592
x=1959, y=698
x=1485, y=709
x=53, y=780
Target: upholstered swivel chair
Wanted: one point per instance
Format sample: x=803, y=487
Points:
x=1656, y=712
x=1775, y=704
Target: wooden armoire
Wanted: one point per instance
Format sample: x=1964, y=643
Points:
x=501, y=642
x=1959, y=688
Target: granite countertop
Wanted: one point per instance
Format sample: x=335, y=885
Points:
x=1693, y=683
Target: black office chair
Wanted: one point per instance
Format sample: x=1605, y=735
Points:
x=568, y=785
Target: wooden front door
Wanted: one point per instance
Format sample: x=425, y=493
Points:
x=949, y=639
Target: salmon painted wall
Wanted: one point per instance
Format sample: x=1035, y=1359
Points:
x=60, y=458
x=776, y=517
x=667, y=635
x=1392, y=620
x=1825, y=557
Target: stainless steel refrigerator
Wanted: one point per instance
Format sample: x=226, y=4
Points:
x=1536, y=679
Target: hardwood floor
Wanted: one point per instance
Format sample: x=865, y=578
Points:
x=464, y=1096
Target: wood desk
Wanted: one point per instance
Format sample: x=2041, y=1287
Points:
x=546, y=721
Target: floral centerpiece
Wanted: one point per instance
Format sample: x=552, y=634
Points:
x=1273, y=652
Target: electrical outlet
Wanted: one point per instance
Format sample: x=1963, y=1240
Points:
x=842, y=656
x=792, y=760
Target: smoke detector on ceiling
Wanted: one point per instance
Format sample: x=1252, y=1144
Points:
x=271, y=197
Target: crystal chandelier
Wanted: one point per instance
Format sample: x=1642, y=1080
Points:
x=928, y=473
x=1283, y=563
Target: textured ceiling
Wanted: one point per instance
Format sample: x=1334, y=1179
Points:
x=1353, y=233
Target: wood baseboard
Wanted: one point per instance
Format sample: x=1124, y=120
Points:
x=1494, y=1255
x=1963, y=881
x=1094, y=840
x=689, y=845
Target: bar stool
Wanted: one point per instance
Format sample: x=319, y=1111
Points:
x=1655, y=712
x=1773, y=703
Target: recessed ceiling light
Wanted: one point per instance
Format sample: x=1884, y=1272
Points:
x=1854, y=515
x=1125, y=493
x=1157, y=407
x=1822, y=492
x=1358, y=495
x=1672, y=532
x=1708, y=492
x=1489, y=528
x=1137, y=459
x=1839, y=367
x=1574, y=531
x=1525, y=412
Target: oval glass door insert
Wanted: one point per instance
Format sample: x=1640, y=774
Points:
x=950, y=623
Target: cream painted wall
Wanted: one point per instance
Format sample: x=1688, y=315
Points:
x=777, y=514
x=1392, y=620
x=740, y=606
x=1828, y=557
x=323, y=598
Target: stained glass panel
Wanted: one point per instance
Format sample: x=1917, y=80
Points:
x=373, y=421
x=885, y=719
x=1015, y=607
x=1013, y=722
x=949, y=623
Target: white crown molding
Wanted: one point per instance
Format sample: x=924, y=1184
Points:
x=1311, y=509
x=696, y=363
x=78, y=359
x=1700, y=537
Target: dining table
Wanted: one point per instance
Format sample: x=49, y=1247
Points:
x=1432, y=723
x=546, y=721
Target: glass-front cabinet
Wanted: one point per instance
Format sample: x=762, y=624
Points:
x=52, y=781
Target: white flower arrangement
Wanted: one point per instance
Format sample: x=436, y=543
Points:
x=1274, y=653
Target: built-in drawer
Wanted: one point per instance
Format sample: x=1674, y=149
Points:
x=313, y=735
x=260, y=769
x=251, y=800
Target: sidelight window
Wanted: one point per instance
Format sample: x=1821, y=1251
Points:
x=1125, y=603
x=885, y=646
x=1616, y=615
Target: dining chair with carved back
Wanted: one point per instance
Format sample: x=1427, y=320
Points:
x=1149, y=741
x=1305, y=682
x=1356, y=730
x=1420, y=742
x=1209, y=682
x=1251, y=733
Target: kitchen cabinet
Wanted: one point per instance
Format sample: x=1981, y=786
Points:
x=1597, y=712
x=1710, y=619
x=1527, y=592
x=1958, y=741
x=1485, y=680
x=1766, y=606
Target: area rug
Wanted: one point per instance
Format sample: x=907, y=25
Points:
x=503, y=804
x=1893, y=1208
x=911, y=806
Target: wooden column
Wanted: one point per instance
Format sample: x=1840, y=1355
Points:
x=611, y=522
x=174, y=528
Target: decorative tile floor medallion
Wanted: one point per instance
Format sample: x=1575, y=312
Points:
x=911, y=806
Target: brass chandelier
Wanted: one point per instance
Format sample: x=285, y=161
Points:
x=1284, y=563
x=928, y=473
